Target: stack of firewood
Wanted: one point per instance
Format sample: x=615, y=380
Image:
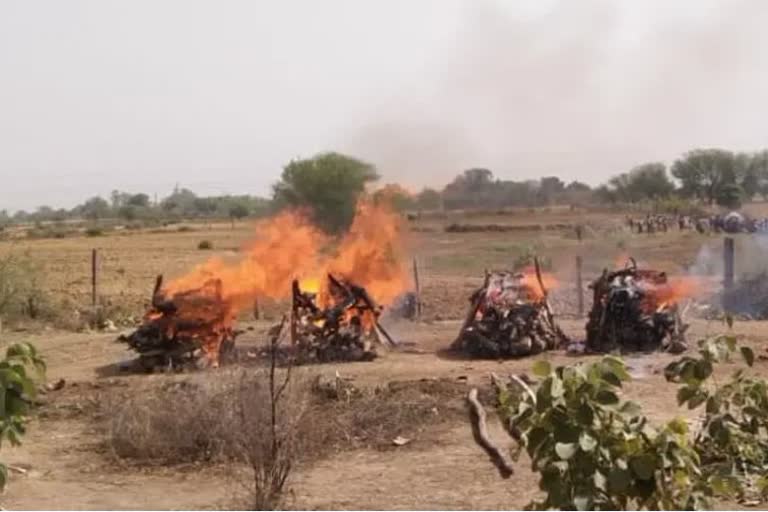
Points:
x=630, y=313
x=345, y=328
x=190, y=327
x=509, y=318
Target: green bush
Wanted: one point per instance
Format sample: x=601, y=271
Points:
x=21, y=291
x=94, y=231
x=205, y=245
x=18, y=371
x=733, y=438
x=594, y=451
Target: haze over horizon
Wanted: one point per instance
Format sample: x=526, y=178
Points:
x=97, y=95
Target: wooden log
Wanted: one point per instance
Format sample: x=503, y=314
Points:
x=482, y=437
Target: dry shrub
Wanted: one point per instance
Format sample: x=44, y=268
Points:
x=226, y=416
x=199, y=418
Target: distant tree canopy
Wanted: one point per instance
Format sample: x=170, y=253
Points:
x=328, y=185
x=712, y=174
x=646, y=181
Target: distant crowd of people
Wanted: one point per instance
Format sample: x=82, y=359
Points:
x=732, y=222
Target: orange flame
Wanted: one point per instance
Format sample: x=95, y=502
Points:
x=677, y=289
x=530, y=280
x=371, y=253
x=288, y=247
x=285, y=245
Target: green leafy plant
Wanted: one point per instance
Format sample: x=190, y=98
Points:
x=733, y=437
x=19, y=370
x=595, y=451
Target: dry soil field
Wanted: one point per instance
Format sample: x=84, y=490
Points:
x=66, y=462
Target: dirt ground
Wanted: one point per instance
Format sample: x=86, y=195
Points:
x=63, y=464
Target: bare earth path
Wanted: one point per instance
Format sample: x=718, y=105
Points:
x=65, y=466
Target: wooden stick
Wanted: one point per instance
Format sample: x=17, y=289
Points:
x=294, y=305
x=418, y=287
x=384, y=332
x=579, y=286
x=93, y=276
x=482, y=438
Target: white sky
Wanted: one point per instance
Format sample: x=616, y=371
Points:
x=218, y=95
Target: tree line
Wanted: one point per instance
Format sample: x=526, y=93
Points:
x=328, y=186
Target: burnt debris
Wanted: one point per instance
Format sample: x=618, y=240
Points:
x=193, y=327
x=634, y=310
x=509, y=316
x=341, y=325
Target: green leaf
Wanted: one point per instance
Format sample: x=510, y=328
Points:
x=565, y=450
x=748, y=355
x=541, y=368
x=643, y=466
x=586, y=442
x=713, y=405
x=618, y=480
x=612, y=379
x=678, y=426
x=684, y=394
x=584, y=414
x=630, y=408
x=699, y=398
x=606, y=397
x=702, y=370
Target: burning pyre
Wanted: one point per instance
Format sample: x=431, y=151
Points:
x=336, y=323
x=636, y=310
x=509, y=316
x=190, y=327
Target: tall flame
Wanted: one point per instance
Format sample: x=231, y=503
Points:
x=370, y=254
x=285, y=244
x=288, y=246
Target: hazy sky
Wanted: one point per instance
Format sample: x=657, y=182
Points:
x=217, y=95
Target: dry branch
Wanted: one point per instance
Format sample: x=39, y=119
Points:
x=482, y=437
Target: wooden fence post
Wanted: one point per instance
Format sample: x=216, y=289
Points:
x=579, y=287
x=94, y=267
x=728, y=263
x=418, y=287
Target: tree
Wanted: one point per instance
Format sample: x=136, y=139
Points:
x=94, y=208
x=328, y=184
x=703, y=171
x=180, y=202
x=550, y=188
x=729, y=196
x=646, y=181
x=471, y=188
x=397, y=196
x=238, y=211
x=140, y=200
x=429, y=199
